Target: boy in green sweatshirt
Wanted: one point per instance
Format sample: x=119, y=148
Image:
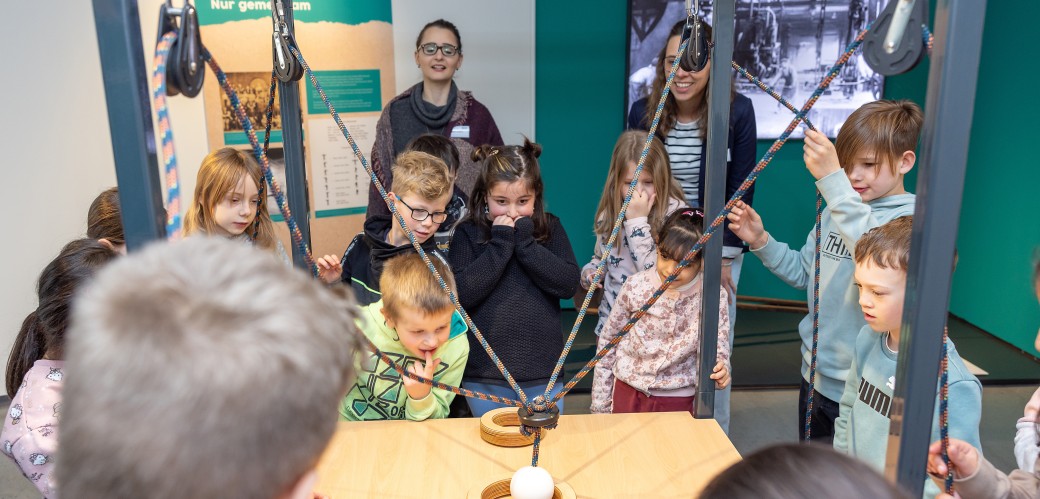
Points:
x=416, y=325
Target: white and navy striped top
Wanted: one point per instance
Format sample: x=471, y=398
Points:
x=684, y=153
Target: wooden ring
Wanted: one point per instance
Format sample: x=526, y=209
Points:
x=501, y=427
x=500, y=489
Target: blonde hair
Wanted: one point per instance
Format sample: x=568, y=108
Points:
x=222, y=382
x=885, y=128
x=421, y=174
x=628, y=148
x=407, y=282
x=220, y=173
x=887, y=246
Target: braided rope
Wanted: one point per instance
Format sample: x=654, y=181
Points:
x=618, y=221
x=944, y=413
x=717, y=222
x=267, y=143
x=173, y=188
x=537, y=443
x=261, y=157
x=411, y=237
x=437, y=384
x=815, y=317
x=772, y=93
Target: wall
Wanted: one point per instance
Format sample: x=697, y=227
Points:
x=497, y=54
x=577, y=41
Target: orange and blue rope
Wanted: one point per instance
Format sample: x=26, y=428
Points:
x=169, y=156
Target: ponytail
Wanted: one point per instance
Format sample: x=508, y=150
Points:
x=28, y=347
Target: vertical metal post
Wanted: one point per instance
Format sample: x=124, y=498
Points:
x=130, y=120
x=719, y=88
x=944, y=151
x=292, y=144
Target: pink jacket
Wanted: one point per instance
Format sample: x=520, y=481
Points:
x=30, y=434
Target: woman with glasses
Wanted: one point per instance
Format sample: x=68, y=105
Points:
x=434, y=105
x=683, y=128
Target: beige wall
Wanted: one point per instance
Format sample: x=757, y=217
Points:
x=55, y=133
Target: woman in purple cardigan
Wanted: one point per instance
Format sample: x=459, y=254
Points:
x=434, y=105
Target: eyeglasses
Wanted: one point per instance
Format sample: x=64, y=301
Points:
x=419, y=214
x=447, y=49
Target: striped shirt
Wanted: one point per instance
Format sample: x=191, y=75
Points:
x=684, y=153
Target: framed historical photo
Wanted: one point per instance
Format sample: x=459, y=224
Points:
x=788, y=44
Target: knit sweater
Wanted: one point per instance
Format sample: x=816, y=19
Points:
x=661, y=352
x=512, y=285
x=634, y=251
x=469, y=115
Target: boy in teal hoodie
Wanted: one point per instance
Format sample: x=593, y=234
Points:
x=416, y=325
x=875, y=148
x=882, y=257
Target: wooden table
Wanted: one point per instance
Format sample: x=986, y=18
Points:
x=599, y=456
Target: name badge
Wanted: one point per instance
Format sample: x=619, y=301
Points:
x=460, y=132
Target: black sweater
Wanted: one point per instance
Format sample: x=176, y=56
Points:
x=511, y=286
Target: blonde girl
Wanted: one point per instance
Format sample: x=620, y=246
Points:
x=228, y=202
x=657, y=195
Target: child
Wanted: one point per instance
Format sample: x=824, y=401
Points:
x=633, y=249
x=104, y=221
x=417, y=326
x=227, y=201
x=772, y=473
x=654, y=368
x=422, y=188
x=513, y=264
x=875, y=147
x=441, y=147
x=974, y=476
x=35, y=368
x=882, y=258
x=222, y=382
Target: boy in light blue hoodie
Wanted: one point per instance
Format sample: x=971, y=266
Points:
x=882, y=257
x=875, y=148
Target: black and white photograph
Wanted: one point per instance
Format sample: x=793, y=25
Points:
x=790, y=45
x=254, y=90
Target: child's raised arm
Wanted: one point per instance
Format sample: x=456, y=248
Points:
x=793, y=267
x=552, y=267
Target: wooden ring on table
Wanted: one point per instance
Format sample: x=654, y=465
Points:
x=500, y=489
x=501, y=427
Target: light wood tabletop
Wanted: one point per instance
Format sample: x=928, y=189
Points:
x=599, y=456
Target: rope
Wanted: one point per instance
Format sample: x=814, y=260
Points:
x=618, y=221
x=437, y=384
x=267, y=143
x=944, y=413
x=815, y=318
x=772, y=93
x=261, y=157
x=717, y=222
x=173, y=188
x=411, y=237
